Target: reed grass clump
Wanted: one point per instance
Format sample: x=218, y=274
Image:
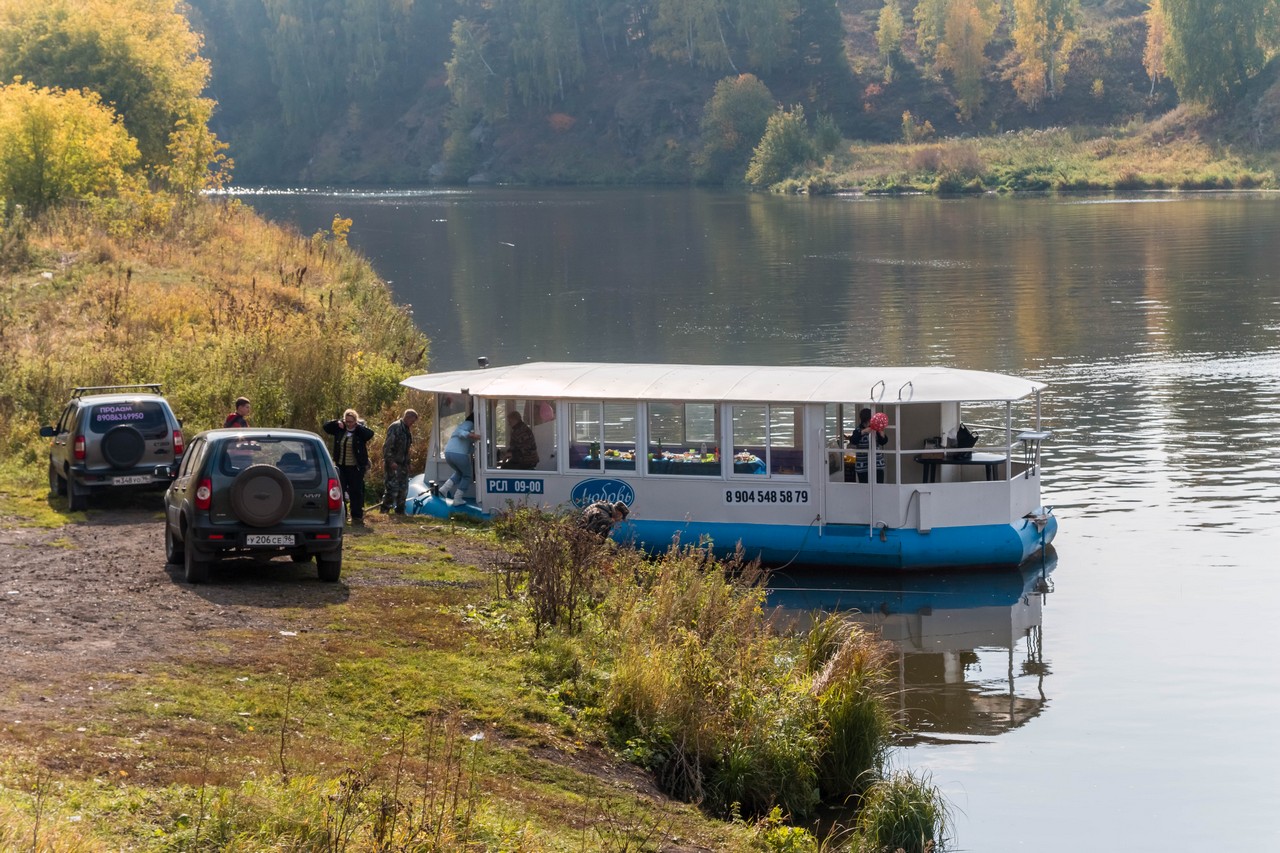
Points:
x=902, y=813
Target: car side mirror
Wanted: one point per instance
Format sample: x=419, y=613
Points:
x=47, y=432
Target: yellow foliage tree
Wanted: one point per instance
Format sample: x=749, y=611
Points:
x=57, y=146
x=1153, y=50
x=970, y=26
x=140, y=56
x=889, y=35
x=1043, y=35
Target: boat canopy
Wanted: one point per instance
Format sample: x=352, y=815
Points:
x=721, y=383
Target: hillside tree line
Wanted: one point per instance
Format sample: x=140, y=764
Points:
x=667, y=89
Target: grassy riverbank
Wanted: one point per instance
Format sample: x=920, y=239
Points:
x=1180, y=151
x=216, y=304
x=459, y=691
x=524, y=687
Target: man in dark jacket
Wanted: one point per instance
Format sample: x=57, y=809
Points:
x=351, y=454
x=522, y=448
x=395, y=462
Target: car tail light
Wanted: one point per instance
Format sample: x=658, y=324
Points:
x=204, y=494
x=335, y=495
x=79, y=448
x=177, y=442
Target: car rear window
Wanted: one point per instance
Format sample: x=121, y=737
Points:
x=146, y=415
x=299, y=459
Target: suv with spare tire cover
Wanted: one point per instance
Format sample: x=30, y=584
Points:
x=111, y=438
x=255, y=493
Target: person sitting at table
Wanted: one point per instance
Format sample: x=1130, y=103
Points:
x=522, y=448
x=860, y=439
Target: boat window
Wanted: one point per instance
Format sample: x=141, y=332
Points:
x=683, y=439
x=767, y=439
x=603, y=436
x=522, y=434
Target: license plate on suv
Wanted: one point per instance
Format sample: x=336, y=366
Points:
x=269, y=539
x=131, y=480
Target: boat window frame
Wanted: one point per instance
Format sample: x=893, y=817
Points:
x=797, y=409
x=602, y=435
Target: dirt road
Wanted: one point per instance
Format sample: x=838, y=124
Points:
x=96, y=597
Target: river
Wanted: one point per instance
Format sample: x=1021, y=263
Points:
x=1123, y=696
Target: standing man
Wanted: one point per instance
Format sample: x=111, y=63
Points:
x=351, y=453
x=238, y=419
x=395, y=462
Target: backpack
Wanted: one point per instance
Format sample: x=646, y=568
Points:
x=965, y=437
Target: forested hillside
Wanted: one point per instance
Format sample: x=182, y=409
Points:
x=410, y=91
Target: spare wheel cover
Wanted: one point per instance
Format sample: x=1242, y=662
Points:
x=123, y=446
x=261, y=495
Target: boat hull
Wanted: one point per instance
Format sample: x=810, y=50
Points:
x=855, y=545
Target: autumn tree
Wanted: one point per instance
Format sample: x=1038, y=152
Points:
x=691, y=31
x=733, y=121
x=1212, y=47
x=1153, y=50
x=1043, y=34
x=140, y=56
x=766, y=28
x=546, y=49
x=969, y=28
x=474, y=84
x=889, y=35
x=59, y=146
x=931, y=24
x=784, y=148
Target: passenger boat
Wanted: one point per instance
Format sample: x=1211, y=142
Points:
x=761, y=457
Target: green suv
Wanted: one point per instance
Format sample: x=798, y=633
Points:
x=254, y=493
x=110, y=438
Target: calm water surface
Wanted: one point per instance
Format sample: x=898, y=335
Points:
x=1127, y=696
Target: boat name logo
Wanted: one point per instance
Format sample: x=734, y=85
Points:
x=588, y=492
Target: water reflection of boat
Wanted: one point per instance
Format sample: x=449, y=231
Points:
x=970, y=655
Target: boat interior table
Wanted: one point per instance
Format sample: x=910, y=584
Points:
x=932, y=462
x=705, y=469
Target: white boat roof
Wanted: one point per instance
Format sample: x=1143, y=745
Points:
x=722, y=382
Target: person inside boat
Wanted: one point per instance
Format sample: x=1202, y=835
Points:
x=860, y=439
x=522, y=448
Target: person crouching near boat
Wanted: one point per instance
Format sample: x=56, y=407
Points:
x=458, y=454
x=600, y=517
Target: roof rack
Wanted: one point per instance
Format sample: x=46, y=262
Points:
x=153, y=387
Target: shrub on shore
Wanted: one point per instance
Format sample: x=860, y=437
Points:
x=692, y=677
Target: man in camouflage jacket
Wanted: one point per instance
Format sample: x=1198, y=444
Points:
x=395, y=462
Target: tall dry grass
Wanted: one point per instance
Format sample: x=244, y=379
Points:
x=215, y=304
x=694, y=679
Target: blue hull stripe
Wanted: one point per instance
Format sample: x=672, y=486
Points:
x=850, y=545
